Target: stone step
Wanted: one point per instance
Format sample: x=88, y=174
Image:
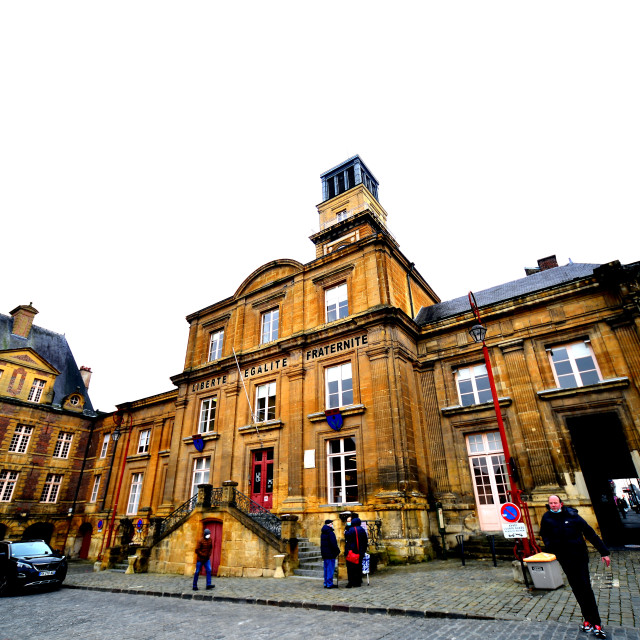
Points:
x=310, y=554
x=309, y=573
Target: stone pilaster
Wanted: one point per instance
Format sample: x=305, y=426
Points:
x=387, y=446
x=295, y=425
x=528, y=415
x=437, y=461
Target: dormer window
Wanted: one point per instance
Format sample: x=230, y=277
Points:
x=36, y=390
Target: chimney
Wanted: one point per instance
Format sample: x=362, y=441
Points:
x=543, y=264
x=23, y=319
x=85, y=372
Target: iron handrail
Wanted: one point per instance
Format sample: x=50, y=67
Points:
x=175, y=518
x=257, y=513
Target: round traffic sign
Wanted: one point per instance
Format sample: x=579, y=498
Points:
x=510, y=512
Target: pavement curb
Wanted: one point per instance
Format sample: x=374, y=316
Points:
x=298, y=604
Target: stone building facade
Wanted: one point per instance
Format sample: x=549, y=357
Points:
x=345, y=385
x=46, y=427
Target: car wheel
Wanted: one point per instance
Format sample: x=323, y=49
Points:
x=5, y=586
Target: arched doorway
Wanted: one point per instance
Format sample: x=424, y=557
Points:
x=39, y=531
x=215, y=526
x=85, y=532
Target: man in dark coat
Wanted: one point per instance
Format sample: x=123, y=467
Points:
x=355, y=540
x=330, y=551
x=563, y=532
x=203, y=559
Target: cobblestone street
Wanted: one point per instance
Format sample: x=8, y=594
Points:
x=88, y=615
x=433, y=589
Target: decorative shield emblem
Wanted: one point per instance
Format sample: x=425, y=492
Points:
x=198, y=442
x=139, y=524
x=334, y=419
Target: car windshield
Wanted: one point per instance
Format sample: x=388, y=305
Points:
x=30, y=549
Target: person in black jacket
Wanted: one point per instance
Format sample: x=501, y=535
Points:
x=563, y=532
x=330, y=551
x=355, y=540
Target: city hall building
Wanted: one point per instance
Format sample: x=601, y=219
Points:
x=345, y=385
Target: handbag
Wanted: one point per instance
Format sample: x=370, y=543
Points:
x=351, y=556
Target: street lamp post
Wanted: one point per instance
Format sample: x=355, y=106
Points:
x=478, y=333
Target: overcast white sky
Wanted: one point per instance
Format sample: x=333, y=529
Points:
x=154, y=154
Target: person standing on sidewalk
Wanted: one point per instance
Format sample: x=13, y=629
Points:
x=355, y=540
x=563, y=532
x=330, y=551
x=203, y=559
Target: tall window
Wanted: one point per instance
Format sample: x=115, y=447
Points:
x=36, y=390
x=266, y=402
x=336, y=304
x=201, y=467
x=143, y=441
x=20, y=439
x=473, y=385
x=8, y=481
x=134, y=494
x=269, y=326
x=339, y=386
x=488, y=467
x=96, y=488
x=342, y=470
x=51, y=487
x=574, y=365
x=105, y=445
x=63, y=445
x=215, y=345
x=208, y=415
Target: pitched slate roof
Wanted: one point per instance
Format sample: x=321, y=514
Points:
x=515, y=288
x=53, y=347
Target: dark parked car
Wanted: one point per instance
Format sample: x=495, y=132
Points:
x=30, y=563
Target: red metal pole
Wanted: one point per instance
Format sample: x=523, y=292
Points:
x=529, y=543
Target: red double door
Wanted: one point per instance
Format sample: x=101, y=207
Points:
x=262, y=477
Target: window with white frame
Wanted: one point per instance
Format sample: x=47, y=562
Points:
x=266, y=402
x=8, y=480
x=336, y=304
x=488, y=467
x=36, y=390
x=208, y=415
x=134, y=494
x=51, y=487
x=96, y=488
x=143, y=441
x=61, y=450
x=105, y=445
x=339, y=386
x=341, y=215
x=574, y=365
x=215, y=345
x=342, y=471
x=473, y=385
x=201, y=468
x=20, y=439
x=269, y=325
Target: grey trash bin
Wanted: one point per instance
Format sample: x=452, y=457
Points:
x=545, y=571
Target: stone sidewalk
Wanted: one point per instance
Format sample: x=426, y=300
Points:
x=432, y=589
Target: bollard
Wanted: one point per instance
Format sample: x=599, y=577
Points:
x=460, y=539
x=492, y=544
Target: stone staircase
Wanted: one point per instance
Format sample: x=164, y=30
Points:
x=310, y=559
